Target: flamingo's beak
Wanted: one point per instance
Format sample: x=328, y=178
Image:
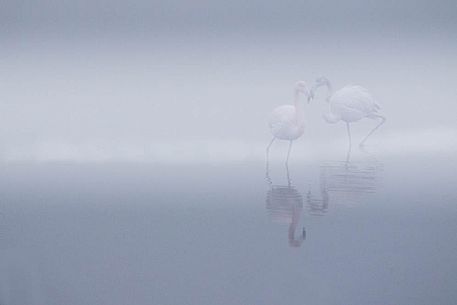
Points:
x=310, y=97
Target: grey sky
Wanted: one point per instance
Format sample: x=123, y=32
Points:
x=107, y=75
x=174, y=15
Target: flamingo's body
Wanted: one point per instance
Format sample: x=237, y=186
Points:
x=350, y=104
x=284, y=124
x=287, y=122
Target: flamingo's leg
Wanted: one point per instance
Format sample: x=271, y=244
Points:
x=348, y=128
x=288, y=176
x=383, y=119
x=269, y=145
x=288, y=152
x=267, y=165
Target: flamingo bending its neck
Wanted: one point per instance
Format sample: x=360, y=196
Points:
x=350, y=104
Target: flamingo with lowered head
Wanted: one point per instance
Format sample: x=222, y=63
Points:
x=350, y=104
x=287, y=122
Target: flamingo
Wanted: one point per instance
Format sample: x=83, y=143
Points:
x=284, y=203
x=287, y=122
x=350, y=104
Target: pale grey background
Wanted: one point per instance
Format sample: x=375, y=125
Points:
x=149, y=80
x=183, y=89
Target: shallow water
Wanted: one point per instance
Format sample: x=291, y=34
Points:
x=367, y=230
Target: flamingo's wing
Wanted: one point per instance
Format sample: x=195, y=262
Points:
x=281, y=118
x=355, y=99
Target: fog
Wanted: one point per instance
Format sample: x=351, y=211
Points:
x=177, y=80
x=132, y=153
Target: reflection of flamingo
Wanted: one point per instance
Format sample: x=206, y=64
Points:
x=287, y=122
x=285, y=204
x=350, y=104
x=348, y=179
x=318, y=206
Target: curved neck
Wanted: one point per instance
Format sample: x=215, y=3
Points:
x=329, y=89
x=299, y=109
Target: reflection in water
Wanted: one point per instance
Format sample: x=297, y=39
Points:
x=318, y=206
x=285, y=205
x=347, y=181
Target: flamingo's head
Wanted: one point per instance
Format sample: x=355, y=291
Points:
x=322, y=81
x=302, y=88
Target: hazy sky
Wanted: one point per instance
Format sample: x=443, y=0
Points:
x=242, y=19
x=95, y=77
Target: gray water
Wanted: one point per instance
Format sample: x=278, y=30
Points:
x=367, y=230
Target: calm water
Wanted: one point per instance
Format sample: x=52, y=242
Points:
x=370, y=230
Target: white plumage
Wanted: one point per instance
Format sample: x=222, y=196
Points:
x=350, y=104
x=287, y=122
x=284, y=124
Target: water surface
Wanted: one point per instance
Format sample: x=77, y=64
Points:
x=363, y=230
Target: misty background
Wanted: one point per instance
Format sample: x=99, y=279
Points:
x=132, y=148
x=196, y=80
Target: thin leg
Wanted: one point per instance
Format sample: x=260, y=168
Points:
x=269, y=145
x=288, y=152
x=349, y=134
x=267, y=163
x=288, y=176
x=383, y=119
